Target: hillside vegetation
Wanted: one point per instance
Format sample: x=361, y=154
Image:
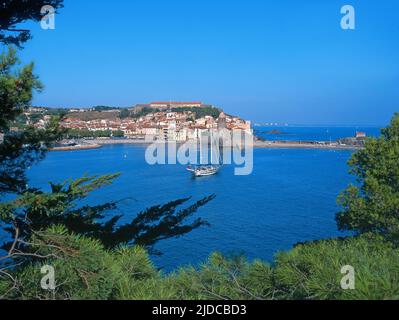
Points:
x=84, y=269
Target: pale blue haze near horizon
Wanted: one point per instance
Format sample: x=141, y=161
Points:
x=267, y=61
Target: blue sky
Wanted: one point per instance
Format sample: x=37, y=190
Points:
x=281, y=61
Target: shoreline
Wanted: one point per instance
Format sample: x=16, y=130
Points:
x=75, y=148
x=99, y=143
x=302, y=145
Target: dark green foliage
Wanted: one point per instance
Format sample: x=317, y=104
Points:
x=103, y=108
x=372, y=205
x=84, y=269
x=158, y=223
x=56, y=112
x=32, y=210
x=313, y=270
x=16, y=87
x=125, y=113
x=15, y=12
x=200, y=112
x=36, y=210
x=222, y=278
x=85, y=247
x=118, y=134
x=309, y=271
x=21, y=149
x=143, y=112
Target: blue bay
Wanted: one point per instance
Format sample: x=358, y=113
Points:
x=290, y=197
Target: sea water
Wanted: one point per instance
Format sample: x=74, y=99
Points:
x=290, y=197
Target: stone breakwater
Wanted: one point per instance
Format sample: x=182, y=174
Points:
x=256, y=144
x=118, y=141
x=303, y=145
x=76, y=147
x=98, y=143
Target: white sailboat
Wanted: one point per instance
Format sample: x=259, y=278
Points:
x=202, y=171
x=205, y=170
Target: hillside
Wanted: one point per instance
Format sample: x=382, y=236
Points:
x=94, y=115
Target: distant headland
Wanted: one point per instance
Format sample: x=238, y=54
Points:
x=91, y=128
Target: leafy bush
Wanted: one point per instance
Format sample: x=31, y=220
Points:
x=372, y=205
x=200, y=112
x=84, y=269
x=313, y=270
x=225, y=278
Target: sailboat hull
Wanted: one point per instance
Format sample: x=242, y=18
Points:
x=203, y=171
x=204, y=174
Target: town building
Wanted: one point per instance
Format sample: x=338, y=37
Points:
x=163, y=125
x=170, y=105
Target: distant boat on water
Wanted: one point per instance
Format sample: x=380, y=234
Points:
x=202, y=171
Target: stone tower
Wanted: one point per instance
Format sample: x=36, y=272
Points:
x=222, y=121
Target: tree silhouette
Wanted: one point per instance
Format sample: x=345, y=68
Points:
x=36, y=210
x=15, y=12
x=372, y=205
x=19, y=150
